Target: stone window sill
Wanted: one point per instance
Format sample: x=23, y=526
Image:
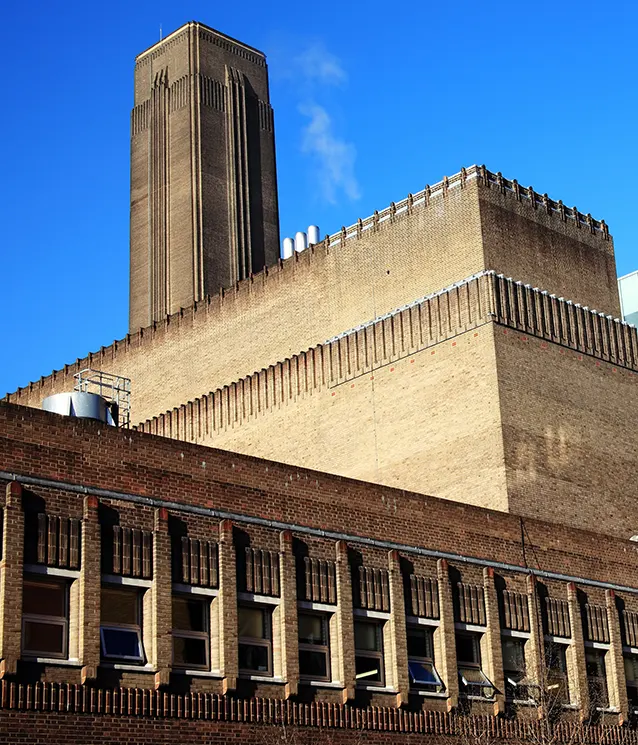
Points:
x=53, y=661
x=321, y=683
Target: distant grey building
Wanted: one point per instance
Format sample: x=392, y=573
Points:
x=628, y=290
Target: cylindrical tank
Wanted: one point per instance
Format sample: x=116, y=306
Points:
x=288, y=248
x=314, y=235
x=301, y=243
x=81, y=405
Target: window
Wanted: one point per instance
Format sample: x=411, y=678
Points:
x=45, y=620
x=190, y=633
x=314, y=657
x=472, y=679
x=120, y=630
x=423, y=674
x=631, y=675
x=514, y=670
x=596, y=677
x=368, y=649
x=556, y=662
x=255, y=640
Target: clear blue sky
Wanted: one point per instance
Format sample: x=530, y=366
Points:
x=372, y=100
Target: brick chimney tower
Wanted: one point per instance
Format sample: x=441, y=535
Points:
x=204, y=208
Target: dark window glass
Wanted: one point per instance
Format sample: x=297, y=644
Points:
x=44, y=599
x=121, y=643
x=313, y=664
x=368, y=642
x=189, y=614
x=251, y=622
x=120, y=607
x=556, y=663
x=468, y=650
x=253, y=658
x=314, y=661
x=420, y=642
x=45, y=620
x=43, y=638
x=596, y=677
x=190, y=652
x=367, y=636
x=255, y=640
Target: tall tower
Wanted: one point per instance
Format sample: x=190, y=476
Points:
x=203, y=181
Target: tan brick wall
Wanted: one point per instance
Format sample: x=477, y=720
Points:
x=569, y=434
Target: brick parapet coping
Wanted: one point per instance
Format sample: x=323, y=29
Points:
x=399, y=210
x=483, y=298
x=143, y=703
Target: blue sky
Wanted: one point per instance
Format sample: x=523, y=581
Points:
x=372, y=100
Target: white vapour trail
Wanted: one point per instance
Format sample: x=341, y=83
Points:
x=335, y=156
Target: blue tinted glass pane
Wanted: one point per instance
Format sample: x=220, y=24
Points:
x=421, y=673
x=120, y=643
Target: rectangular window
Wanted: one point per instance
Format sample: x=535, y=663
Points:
x=473, y=681
x=254, y=628
x=557, y=679
x=314, y=650
x=596, y=678
x=190, y=633
x=517, y=687
x=631, y=676
x=121, y=625
x=45, y=618
x=368, y=646
x=423, y=674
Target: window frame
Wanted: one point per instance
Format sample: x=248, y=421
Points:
x=517, y=681
x=599, y=679
x=557, y=676
x=266, y=641
x=138, y=628
x=436, y=687
x=322, y=648
x=61, y=621
x=368, y=654
x=467, y=686
x=632, y=687
x=182, y=634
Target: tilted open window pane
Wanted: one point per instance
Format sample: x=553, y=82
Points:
x=121, y=644
x=475, y=683
x=424, y=674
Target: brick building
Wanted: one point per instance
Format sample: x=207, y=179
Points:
x=423, y=505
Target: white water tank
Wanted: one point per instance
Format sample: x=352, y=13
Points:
x=82, y=405
x=301, y=243
x=314, y=235
x=288, y=248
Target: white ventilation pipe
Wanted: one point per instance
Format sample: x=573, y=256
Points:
x=301, y=243
x=314, y=235
x=288, y=248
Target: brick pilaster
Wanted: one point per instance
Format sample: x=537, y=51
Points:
x=576, y=666
x=90, y=590
x=227, y=599
x=535, y=646
x=447, y=636
x=494, y=644
x=288, y=615
x=162, y=645
x=616, y=680
x=345, y=621
x=398, y=636
x=12, y=566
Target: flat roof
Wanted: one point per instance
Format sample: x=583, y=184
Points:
x=204, y=26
